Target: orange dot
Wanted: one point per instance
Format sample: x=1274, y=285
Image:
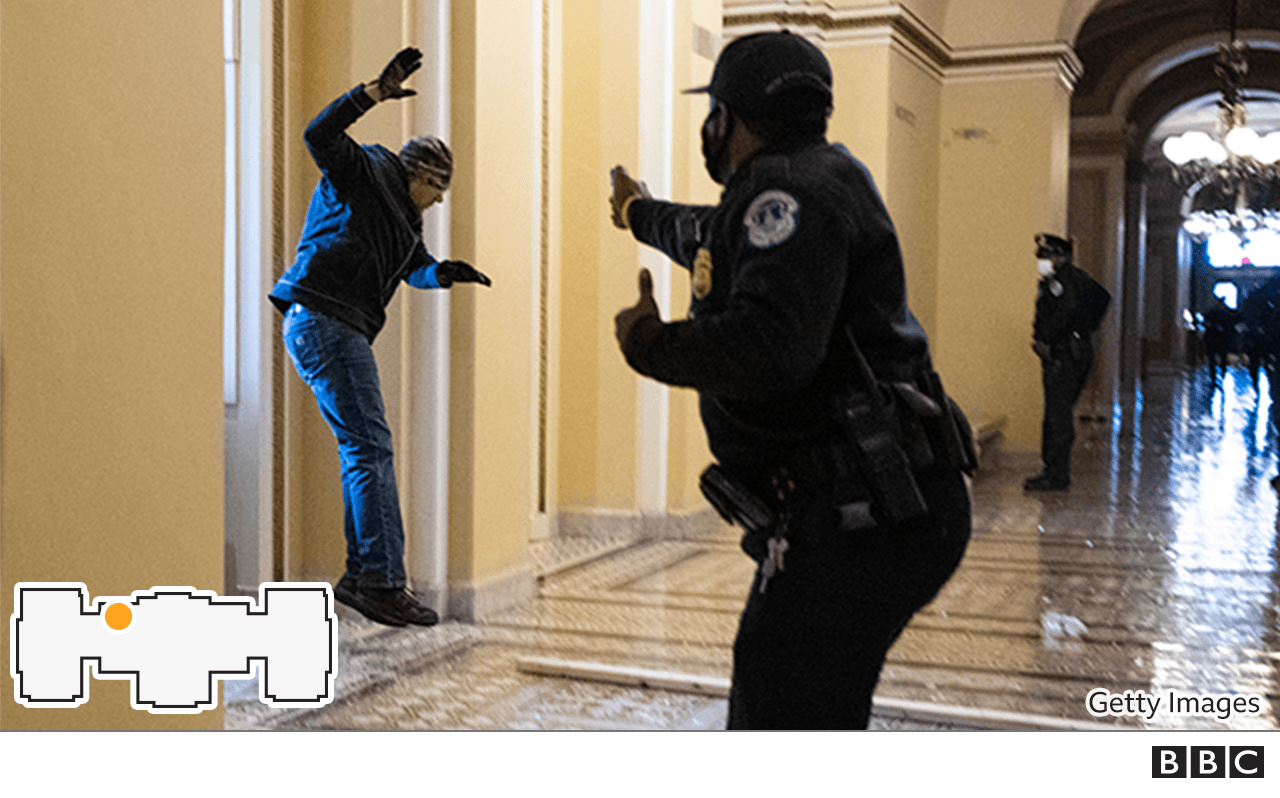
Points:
x=119, y=616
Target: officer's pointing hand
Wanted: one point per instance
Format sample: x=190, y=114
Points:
x=626, y=319
x=625, y=188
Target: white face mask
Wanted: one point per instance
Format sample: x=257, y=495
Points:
x=1045, y=267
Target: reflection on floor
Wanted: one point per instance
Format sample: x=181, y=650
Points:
x=1158, y=572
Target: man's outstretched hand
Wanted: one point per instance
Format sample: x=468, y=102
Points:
x=627, y=318
x=449, y=272
x=397, y=71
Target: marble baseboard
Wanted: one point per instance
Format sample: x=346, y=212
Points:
x=476, y=601
x=638, y=526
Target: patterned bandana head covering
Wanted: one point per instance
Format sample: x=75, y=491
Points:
x=430, y=157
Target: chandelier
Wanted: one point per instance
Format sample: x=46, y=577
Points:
x=1238, y=170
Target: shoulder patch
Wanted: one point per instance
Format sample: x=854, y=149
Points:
x=771, y=219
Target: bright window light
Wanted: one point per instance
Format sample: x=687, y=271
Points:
x=1225, y=250
x=1228, y=293
x=1262, y=249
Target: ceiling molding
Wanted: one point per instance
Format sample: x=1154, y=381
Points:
x=897, y=26
x=1183, y=52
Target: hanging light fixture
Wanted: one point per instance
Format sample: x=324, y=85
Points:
x=1236, y=164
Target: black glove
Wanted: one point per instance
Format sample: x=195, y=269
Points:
x=397, y=71
x=645, y=306
x=449, y=272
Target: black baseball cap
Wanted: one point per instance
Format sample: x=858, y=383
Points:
x=760, y=74
x=1049, y=246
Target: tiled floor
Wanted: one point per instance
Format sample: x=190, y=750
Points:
x=1159, y=571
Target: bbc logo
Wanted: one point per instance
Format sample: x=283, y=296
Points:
x=1206, y=762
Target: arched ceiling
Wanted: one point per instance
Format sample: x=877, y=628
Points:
x=1145, y=58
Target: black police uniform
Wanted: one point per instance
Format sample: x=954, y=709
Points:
x=1069, y=307
x=800, y=247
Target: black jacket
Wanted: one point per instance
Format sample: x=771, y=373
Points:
x=1069, y=305
x=363, y=234
x=800, y=246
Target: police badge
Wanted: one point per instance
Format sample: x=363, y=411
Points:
x=771, y=219
x=702, y=274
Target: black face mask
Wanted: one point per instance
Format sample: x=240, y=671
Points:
x=715, y=141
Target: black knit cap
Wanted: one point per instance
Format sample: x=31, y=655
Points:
x=765, y=74
x=1049, y=246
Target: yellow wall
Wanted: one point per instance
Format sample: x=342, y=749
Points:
x=580, y=240
x=688, y=454
x=493, y=381
x=598, y=262
x=886, y=112
x=887, y=109
x=1003, y=180
x=911, y=194
x=111, y=161
x=982, y=23
x=861, y=82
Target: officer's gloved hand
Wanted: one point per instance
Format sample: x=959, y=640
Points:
x=449, y=272
x=627, y=318
x=625, y=189
x=397, y=71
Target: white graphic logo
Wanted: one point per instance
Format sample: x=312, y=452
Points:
x=771, y=219
x=172, y=643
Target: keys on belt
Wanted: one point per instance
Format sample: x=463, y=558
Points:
x=773, y=561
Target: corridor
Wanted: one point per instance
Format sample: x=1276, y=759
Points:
x=1158, y=572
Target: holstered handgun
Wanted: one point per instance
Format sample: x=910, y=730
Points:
x=872, y=434
x=735, y=502
x=949, y=433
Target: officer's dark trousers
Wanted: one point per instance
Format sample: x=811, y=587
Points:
x=810, y=648
x=1063, y=381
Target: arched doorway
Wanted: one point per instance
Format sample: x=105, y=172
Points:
x=1149, y=71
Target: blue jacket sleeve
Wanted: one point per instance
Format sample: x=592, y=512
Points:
x=340, y=158
x=425, y=275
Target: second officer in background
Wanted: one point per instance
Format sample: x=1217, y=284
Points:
x=1069, y=307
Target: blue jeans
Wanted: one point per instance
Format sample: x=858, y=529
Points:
x=337, y=363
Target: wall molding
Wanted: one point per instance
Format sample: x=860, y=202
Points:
x=472, y=601
x=900, y=28
x=624, y=524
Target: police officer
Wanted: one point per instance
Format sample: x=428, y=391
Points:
x=799, y=251
x=1069, y=307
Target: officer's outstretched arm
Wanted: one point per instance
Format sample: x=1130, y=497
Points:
x=769, y=335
